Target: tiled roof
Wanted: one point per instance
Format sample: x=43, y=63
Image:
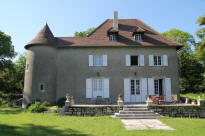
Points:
x=99, y=36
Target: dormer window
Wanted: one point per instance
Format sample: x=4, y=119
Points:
x=137, y=33
x=112, y=37
x=138, y=37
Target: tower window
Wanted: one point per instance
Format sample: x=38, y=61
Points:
x=42, y=87
x=138, y=37
x=27, y=67
x=112, y=38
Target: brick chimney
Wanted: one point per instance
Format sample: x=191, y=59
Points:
x=115, y=20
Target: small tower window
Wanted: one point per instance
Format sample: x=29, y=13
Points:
x=112, y=38
x=42, y=87
x=27, y=67
x=138, y=37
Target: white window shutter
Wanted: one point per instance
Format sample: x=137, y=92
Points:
x=151, y=86
x=90, y=58
x=141, y=60
x=127, y=60
x=151, y=60
x=165, y=60
x=144, y=89
x=127, y=90
x=168, y=89
x=104, y=60
x=106, y=88
x=88, y=88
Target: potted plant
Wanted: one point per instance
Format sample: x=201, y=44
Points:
x=149, y=100
x=72, y=100
x=199, y=100
x=67, y=102
x=120, y=100
x=187, y=100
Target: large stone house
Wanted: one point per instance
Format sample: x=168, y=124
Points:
x=121, y=56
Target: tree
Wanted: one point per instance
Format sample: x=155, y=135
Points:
x=84, y=33
x=190, y=67
x=13, y=79
x=6, y=50
x=201, y=32
x=201, y=20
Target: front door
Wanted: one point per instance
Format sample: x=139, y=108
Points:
x=135, y=91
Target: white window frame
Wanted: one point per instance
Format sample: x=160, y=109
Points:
x=138, y=37
x=136, y=87
x=158, y=63
x=112, y=38
x=98, y=85
x=97, y=60
x=156, y=86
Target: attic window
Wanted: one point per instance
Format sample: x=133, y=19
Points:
x=112, y=37
x=138, y=37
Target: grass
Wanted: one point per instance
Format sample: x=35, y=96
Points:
x=194, y=95
x=16, y=122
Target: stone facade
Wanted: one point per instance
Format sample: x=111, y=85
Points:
x=62, y=73
x=179, y=110
x=91, y=110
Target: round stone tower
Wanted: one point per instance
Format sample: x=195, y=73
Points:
x=40, y=73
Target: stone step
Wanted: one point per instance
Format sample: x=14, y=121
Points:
x=135, y=106
x=135, y=115
x=153, y=115
x=135, y=112
x=135, y=109
x=139, y=117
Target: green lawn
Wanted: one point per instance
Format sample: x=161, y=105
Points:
x=194, y=95
x=14, y=122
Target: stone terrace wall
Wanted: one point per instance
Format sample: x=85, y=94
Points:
x=179, y=110
x=91, y=110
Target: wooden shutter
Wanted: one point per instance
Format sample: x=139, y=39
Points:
x=151, y=60
x=151, y=86
x=165, y=60
x=104, y=60
x=106, y=88
x=127, y=90
x=168, y=89
x=88, y=88
x=127, y=60
x=143, y=89
x=90, y=58
x=141, y=60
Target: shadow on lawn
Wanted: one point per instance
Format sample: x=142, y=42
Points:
x=10, y=110
x=35, y=130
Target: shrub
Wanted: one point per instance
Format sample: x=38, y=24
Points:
x=61, y=102
x=39, y=107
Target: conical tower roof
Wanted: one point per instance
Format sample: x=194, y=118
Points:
x=44, y=37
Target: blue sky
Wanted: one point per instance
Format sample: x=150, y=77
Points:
x=23, y=19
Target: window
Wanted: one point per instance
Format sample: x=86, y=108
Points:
x=138, y=37
x=42, y=87
x=97, y=87
x=158, y=88
x=112, y=37
x=97, y=60
x=134, y=60
x=157, y=60
x=27, y=67
x=135, y=87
